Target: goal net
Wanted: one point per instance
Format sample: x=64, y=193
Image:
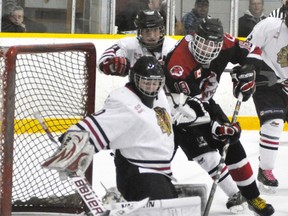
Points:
x=59, y=82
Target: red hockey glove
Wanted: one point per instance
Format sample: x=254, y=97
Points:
x=243, y=81
x=225, y=131
x=118, y=66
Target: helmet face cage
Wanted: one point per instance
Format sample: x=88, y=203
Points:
x=204, y=50
x=149, y=86
x=148, y=76
x=207, y=40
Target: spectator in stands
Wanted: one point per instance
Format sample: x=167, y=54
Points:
x=14, y=21
x=280, y=12
x=155, y=4
x=194, y=17
x=251, y=17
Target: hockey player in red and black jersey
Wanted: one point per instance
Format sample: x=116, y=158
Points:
x=194, y=68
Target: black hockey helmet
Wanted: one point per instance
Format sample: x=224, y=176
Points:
x=210, y=29
x=207, y=41
x=146, y=19
x=148, y=76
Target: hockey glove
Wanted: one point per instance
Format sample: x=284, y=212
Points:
x=226, y=131
x=186, y=110
x=117, y=66
x=74, y=155
x=208, y=86
x=243, y=81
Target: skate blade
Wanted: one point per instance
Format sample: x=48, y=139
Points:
x=266, y=189
x=238, y=208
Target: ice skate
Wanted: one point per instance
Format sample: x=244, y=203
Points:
x=74, y=154
x=260, y=207
x=267, y=181
x=236, y=203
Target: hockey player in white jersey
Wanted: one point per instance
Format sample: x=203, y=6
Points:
x=270, y=98
x=150, y=41
x=135, y=121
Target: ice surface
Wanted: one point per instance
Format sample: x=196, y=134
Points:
x=190, y=172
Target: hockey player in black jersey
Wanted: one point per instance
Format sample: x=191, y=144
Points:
x=194, y=68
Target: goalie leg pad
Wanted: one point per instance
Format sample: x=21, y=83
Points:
x=74, y=155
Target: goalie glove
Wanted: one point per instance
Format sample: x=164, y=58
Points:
x=117, y=66
x=243, y=79
x=226, y=131
x=74, y=155
x=187, y=110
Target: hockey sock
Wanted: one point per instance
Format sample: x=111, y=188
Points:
x=270, y=134
x=209, y=162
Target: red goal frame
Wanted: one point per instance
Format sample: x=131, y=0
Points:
x=8, y=107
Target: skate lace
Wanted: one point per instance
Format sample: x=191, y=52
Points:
x=269, y=175
x=258, y=203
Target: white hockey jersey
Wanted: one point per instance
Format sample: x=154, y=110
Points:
x=143, y=135
x=130, y=48
x=271, y=35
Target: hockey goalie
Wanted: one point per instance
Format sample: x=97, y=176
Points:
x=135, y=122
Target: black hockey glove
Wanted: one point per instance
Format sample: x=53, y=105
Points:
x=117, y=66
x=244, y=81
x=196, y=104
x=226, y=131
x=187, y=110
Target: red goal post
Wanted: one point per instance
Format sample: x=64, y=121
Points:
x=57, y=80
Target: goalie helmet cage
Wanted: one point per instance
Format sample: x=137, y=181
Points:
x=57, y=80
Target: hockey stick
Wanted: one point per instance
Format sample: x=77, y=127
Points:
x=222, y=160
x=86, y=191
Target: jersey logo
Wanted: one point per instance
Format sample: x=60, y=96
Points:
x=282, y=57
x=177, y=71
x=163, y=120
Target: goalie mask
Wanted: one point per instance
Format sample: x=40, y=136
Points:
x=150, y=29
x=148, y=77
x=207, y=40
